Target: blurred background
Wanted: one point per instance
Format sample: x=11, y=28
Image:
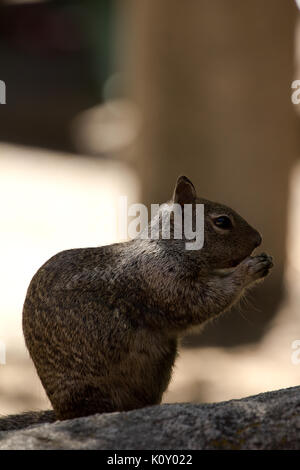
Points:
x=118, y=97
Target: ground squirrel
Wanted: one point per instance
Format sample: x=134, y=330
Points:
x=102, y=324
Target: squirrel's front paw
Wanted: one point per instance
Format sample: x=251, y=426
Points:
x=257, y=267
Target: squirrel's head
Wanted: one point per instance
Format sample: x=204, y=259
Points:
x=228, y=238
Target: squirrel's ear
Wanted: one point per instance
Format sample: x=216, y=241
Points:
x=184, y=192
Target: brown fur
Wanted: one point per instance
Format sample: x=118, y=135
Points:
x=23, y=420
x=102, y=324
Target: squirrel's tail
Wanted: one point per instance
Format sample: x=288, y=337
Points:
x=23, y=420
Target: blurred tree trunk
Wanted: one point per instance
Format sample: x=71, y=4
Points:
x=213, y=80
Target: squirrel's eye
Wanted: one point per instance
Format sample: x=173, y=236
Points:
x=223, y=222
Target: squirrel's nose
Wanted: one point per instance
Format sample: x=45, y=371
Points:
x=258, y=240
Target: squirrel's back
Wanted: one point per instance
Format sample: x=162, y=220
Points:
x=86, y=337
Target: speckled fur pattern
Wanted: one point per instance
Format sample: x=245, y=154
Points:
x=102, y=324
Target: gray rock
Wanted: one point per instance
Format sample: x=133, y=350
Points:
x=266, y=421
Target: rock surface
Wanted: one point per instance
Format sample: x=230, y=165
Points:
x=266, y=421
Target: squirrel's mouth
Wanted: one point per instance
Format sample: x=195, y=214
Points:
x=236, y=262
x=232, y=265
